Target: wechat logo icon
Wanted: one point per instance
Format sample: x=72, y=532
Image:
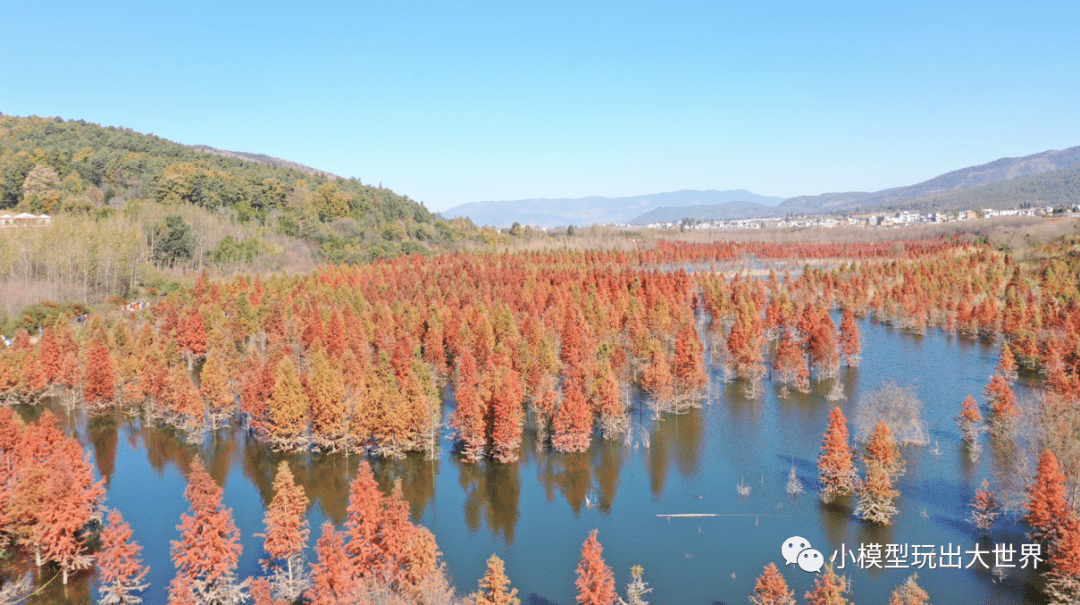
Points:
x=797, y=551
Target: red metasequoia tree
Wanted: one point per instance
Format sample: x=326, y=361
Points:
x=970, y=420
x=504, y=405
x=364, y=516
x=909, y=593
x=883, y=464
x=329, y=411
x=829, y=589
x=120, y=568
x=286, y=535
x=1002, y=402
x=287, y=408
x=690, y=375
x=836, y=463
x=849, y=338
x=789, y=364
x=1063, y=580
x=332, y=579
x=595, y=581
x=72, y=497
x=215, y=390
x=495, y=586
x=984, y=509
x=209, y=548
x=49, y=493
x=1007, y=363
x=99, y=386
x=262, y=593
x=191, y=335
x=384, y=546
x=573, y=421
x=771, y=589
x=1046, y=505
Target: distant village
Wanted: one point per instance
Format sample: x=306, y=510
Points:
x=873, y=221
x=23, y=219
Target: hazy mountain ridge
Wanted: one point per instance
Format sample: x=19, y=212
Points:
x=716, y=212
x=1003, y=169
x=1054, y=188
x=597, y=209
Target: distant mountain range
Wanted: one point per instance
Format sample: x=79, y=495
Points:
x=1047, y=178
x=997, y=171
x=589, y=210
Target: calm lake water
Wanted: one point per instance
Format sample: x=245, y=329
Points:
x=536, y=513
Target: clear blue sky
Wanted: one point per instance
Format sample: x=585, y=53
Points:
x=510, y=100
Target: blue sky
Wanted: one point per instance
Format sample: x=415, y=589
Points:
x=509, y=100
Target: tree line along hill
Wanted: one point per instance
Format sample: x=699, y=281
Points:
x=126, y=206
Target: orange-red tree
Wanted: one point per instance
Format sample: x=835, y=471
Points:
x=883, y=463
x=504, y=397
x=690, y=376
x=50, y=495
x=1063, y=580
x=573, y=421
x=286, y=536
x=836, y=463
x=771, y=589
x=332, y=579
x=909, y=593
x=1046, y=505
x=99, y=386
x=191, y=335
x=119, y=565
x=829, y=589
x=595, y=581
x=970, y=420
x=1002, y=403
x=362, y=524
x=849, y=338
x=209, y=547
x=985, y=510
x=495, y=586
x=73, y=498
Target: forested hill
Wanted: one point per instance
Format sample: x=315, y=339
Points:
x=56, y=166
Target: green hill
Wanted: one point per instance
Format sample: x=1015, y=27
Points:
x=133, y=213
x=55, y=166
